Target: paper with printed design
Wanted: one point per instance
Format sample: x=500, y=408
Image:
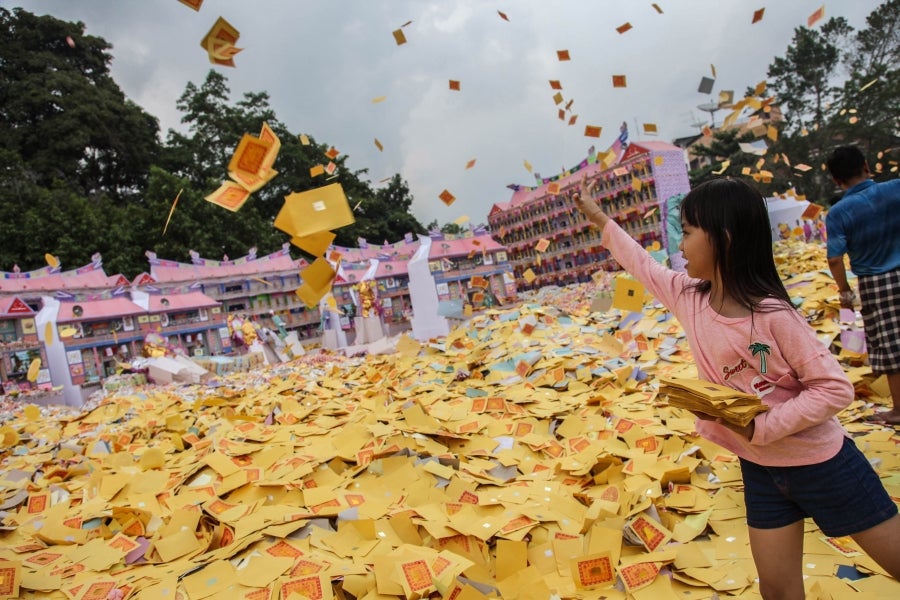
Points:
x=311, y=587
x=638, y=575
x=230, y=195
x=594, y=571
x=220, y=42
x=10, y=578
x=351, y=442
x=843, y=545
x=416, y=578
x=649, y=532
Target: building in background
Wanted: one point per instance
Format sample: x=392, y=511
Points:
x=19, y=345
x=259, y=287
x=22, y=299
x=463, y=265
x=84, y=324
x=550, y=242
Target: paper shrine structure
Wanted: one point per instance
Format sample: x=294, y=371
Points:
x=83, y=324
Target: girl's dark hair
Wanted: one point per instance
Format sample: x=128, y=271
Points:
x=734, y=216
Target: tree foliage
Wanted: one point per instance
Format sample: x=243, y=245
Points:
x=63, y=114
x=451, y=228
x=834, y=86
x=804, y=79
x=871, y=94
x=723, y=146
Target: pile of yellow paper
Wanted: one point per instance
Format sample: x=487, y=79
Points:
x=526, y=454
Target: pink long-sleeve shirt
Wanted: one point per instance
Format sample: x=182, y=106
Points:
x=797, y=378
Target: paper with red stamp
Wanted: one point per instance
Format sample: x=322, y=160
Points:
x=593, y=571
x=638, y=575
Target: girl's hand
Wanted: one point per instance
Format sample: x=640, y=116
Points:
x=587, y=205
x=746, y=432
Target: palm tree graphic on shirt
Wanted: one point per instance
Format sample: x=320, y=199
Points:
x=762, y=350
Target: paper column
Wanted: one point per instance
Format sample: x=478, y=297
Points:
x=55, y=351
x=426, y=322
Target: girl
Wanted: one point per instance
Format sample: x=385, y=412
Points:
x=796, y=459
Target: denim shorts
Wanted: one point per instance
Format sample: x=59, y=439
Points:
x=843, y=495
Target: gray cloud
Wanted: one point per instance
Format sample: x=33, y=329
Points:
x=322, y=63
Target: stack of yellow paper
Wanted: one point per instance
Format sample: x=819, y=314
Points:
x=697, y=395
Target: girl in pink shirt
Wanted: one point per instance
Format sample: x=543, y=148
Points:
x=744, y=332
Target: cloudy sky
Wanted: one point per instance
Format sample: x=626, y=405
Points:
x=323, y=63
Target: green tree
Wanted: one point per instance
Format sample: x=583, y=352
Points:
x=215, y=125
x=722, y=147
x=840, y=87
x=63, y=114
x=35, y=220
x=870, y=99
x=382, y=215
x=199, y=159
x=804, y=78
x=74, y=151
x=195, y=164
x=451, y=228
x=82, y=169
x=807, y=83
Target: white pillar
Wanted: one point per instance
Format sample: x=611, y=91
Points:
x=55, y=351
x=426, y=322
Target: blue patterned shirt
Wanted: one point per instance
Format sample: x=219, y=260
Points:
x=865, y=224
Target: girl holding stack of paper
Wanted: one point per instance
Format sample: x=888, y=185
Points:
x=797, y=460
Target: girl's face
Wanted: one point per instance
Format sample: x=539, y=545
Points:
x=698, y=252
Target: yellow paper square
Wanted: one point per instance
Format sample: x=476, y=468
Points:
x=629, y=295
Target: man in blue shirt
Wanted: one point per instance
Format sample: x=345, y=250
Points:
x=865, y=225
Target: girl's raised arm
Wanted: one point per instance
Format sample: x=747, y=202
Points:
x=588, y=207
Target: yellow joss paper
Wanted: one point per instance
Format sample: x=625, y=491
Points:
x=230, y=195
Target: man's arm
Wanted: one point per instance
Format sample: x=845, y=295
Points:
x=839, y=272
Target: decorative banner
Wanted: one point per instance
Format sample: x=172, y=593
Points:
x=616, y=147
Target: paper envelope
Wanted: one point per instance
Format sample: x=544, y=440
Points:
x=252, y=182
x=318, y=275
x=312, y=211
x=316, y=244
x=266, y=135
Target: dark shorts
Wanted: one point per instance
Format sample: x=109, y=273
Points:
x=879, y=298
x=843, y=495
